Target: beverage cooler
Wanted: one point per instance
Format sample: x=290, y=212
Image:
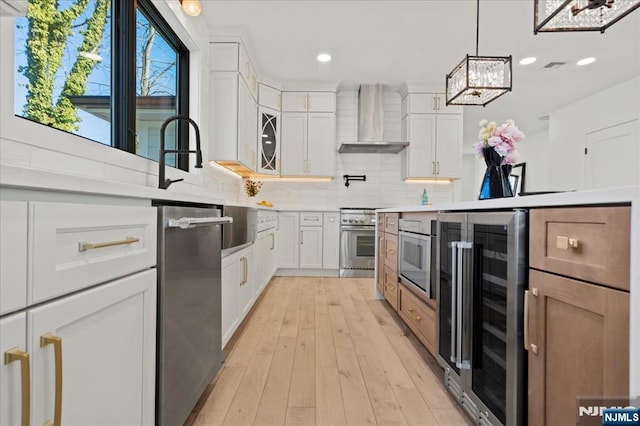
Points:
x=481, y=276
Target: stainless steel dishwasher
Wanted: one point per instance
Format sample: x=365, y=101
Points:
x=189, y=352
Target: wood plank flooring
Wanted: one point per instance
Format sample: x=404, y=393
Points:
x=322, y=351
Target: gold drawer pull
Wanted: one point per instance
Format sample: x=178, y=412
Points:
x=565, y=243
x=84, y=246
x=50, y=339
x=391, y=251
x=413, y=315
x=392, y=287
x=16, y=354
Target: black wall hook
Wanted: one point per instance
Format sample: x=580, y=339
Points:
x=351, y=178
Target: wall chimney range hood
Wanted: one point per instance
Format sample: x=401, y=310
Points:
x=371, y=124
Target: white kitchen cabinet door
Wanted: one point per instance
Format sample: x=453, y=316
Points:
x=293, y=141
x=78, y=245
x=321, y=144
x=268, y=141
x=224, y=56
x=260, y=265
x=248, y=126
x=230, y=280
x=321, y=102
x=294, y=101
x=107, y=338
x=288, y=239
x=310, y=247
x=247, y=284
x=441, y=103
x=273, y=252
x=331, y=241
x=421, y=151
x=449, y=146
x=13, y=339
x=13, y=256
x=269, y=97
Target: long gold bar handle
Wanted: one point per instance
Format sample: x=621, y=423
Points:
x=16, y=354
x=526, y=320
x=50, y=339
x=84, y=246
x=414, y=316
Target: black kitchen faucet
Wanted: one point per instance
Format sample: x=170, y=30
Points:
x=164, y=183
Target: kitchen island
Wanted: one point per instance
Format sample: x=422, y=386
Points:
x=579, y=272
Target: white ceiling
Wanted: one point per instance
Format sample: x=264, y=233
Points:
x=394, y=41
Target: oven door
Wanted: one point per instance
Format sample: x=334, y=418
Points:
x=414, y=264
x=357, y=247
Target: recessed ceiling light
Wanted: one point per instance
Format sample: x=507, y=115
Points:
x=324, y=57
x=586, y=61
x=527, y=61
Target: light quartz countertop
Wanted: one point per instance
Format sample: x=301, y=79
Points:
x=32, y=179
x=625, y=195
x=630, y=194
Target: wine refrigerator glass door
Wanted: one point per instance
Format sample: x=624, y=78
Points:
x=498, y=287
x=451, y=230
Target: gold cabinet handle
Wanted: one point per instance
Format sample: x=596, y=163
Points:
x=50, y=339
x=273, y=241
x=16, y=354
x=245, y=277
x=391, y=251
x=437, y=168
x=414, y=315
x=301, y=237
x=84, y=246
x=527, y=344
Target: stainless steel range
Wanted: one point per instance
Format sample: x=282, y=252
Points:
x=357, y=242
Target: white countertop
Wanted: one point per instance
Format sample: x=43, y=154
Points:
x=630, y=194
x=32, y=179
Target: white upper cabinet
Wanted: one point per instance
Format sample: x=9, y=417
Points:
x=233, y=57
x=269, y=97
x=268, y=141
x=425, y=103
x=434, y=132
x=309, y=101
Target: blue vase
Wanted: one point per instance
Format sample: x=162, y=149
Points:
x=495, y=183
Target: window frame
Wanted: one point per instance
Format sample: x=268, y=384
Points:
x=123, y=78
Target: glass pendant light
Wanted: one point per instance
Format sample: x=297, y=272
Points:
x=478, y=80
x=580, y=15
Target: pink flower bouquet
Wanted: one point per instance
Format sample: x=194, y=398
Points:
x=502, y=139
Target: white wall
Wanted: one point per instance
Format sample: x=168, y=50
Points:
x=384, y=186
x=568, y=127
x=535, y=153
x=32, y=145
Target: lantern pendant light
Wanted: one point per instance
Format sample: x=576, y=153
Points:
x=478, y=80
x=580, y=15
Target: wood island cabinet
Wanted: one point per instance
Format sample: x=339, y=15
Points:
x=577, y=309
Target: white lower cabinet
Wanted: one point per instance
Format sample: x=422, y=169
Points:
x=289, y=239
x=92, y=356
x=13, y=256
x=331, y=241
x=265, y=259
x=238, y=290
x=310, y=247
x=13, y=391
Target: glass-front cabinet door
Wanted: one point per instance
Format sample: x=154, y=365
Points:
x=451, y=228
x=269, y=142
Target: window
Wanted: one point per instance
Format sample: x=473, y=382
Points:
x=75, y=74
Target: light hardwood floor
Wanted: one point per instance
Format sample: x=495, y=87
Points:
x=322, y=351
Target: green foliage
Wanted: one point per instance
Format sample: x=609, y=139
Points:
x=49, y=30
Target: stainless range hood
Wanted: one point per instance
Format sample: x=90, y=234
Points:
x=371, y=124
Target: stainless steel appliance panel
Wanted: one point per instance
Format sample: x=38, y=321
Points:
x=414, y=263
x=243, y=229
x=189, y=308
x=357, y=251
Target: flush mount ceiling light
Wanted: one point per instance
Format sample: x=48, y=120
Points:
x=478, y=80
x=586, y=61
x=580, y=15
x=324, y=57
x=527, y=61
x=191, y=7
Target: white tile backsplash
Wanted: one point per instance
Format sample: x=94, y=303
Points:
x=384, y=186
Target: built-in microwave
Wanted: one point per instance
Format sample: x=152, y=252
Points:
x=416, y=265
